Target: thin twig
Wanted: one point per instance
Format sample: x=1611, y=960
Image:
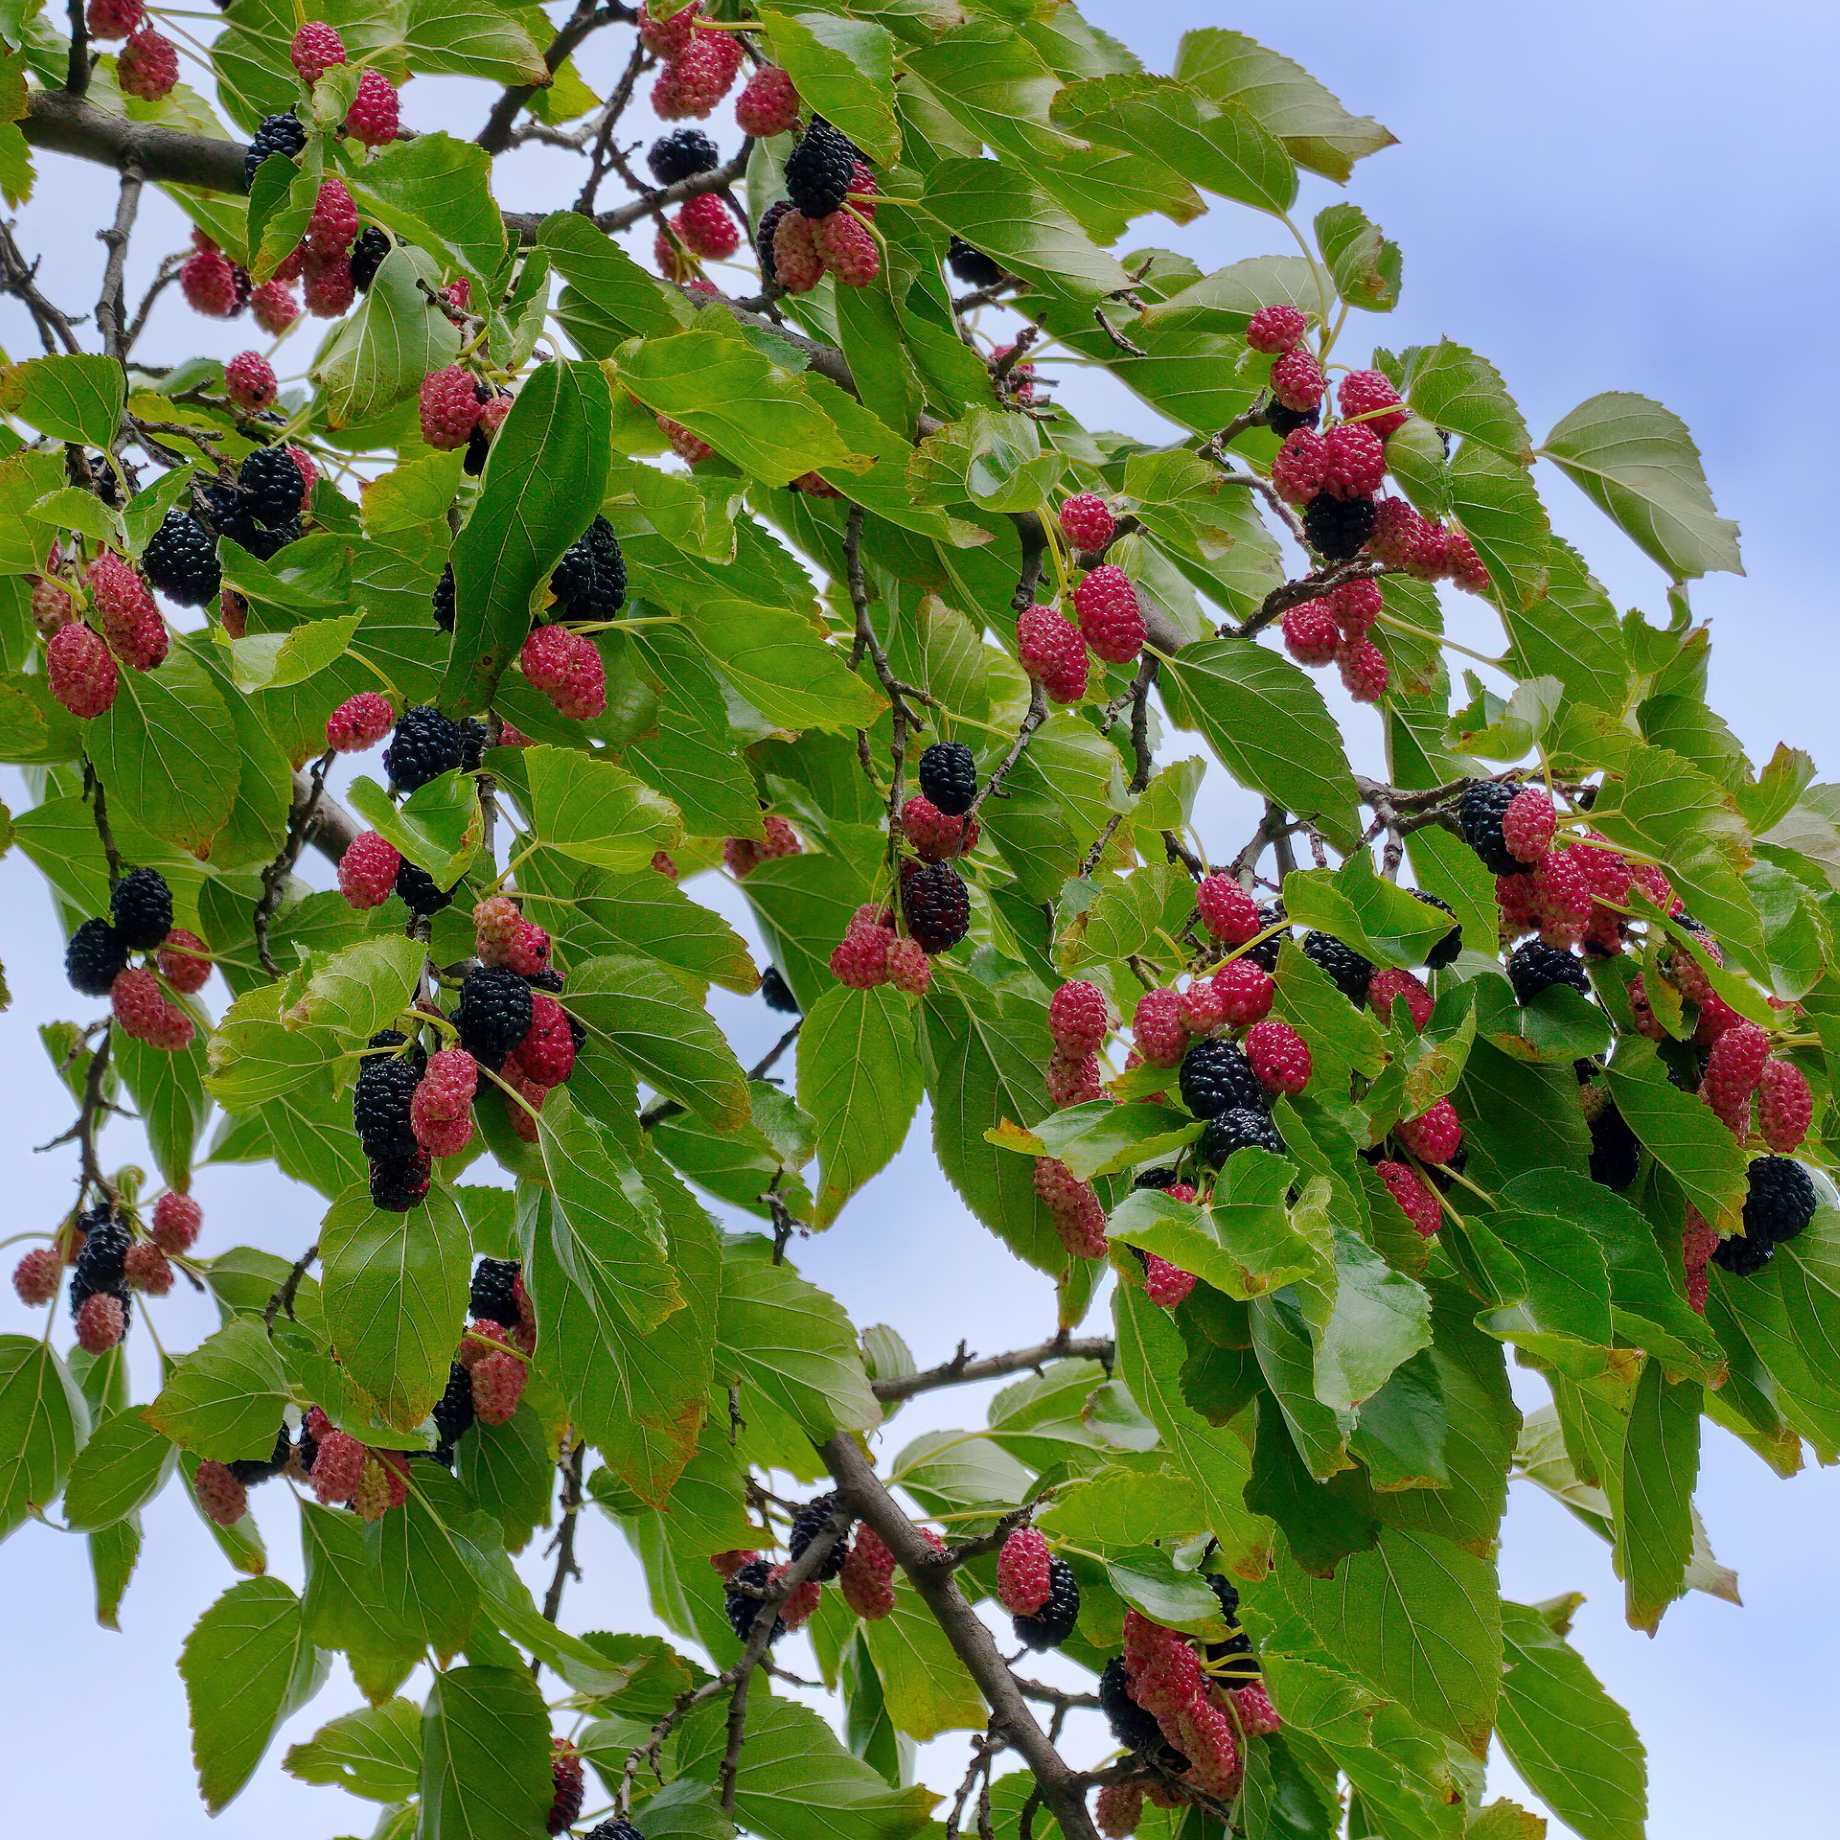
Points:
x=19, y=278
x=111, y=309
x=1143, y=763
x=301, y=821
x=99, y=811
x=288, y=1289
x=563, y=1544
x=964, y=1369
x=662, y=1109
x=1033, y=717
x=587, y=18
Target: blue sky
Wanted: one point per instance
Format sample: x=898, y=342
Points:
x=1609, y=197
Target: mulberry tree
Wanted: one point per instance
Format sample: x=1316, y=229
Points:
x=386, y=729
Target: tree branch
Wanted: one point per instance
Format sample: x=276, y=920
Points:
x=1010, y=1717
x=563, y=1545
x=111, y=308
x=587, y=18
x=301, y=822
x=963, y=1369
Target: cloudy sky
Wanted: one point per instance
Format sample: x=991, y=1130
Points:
x=1605, y=197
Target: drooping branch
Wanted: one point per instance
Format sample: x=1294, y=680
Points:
x=1011, y=1719
x=964, y=1369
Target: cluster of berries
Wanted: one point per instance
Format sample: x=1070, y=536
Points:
x=140, y=920
x=461, y=410
x=107, y=1264
x=1183, y=1710
x=748, y=1578
x=486, y=1379
x=700, y=63
x=1334, y=629
x=1108, y=618
x=741, y=856
x=147, y=66
x=1038, y=1589
x=80, y=655
x=822, y=226
x=222, y=1489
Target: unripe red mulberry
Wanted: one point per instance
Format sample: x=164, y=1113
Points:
x=1082, y=1226
x=1389, y=986
x=1297, y=380
x=566, y=1784
x=338, y=1467
x=332, y=226
x=1258, y=1717
x=274, y=307
x=528, y=951
x=367, y=870
x=1243, y=991
x=1734, y=1067
x=546, y=1055
x=145, y=1012
x=1785, y=1106
x=208, y=282
x=176, y=1220
x=1364, y=669
x=1298, y=466
x=1360, y=393
x=80, y=671
x=1022, y=1572
x=495, y=921
x=859, y=960
x=1354, y=461
x=847, y=248
x=222, y=1497
x=866, y=1580
x=37, y=1276
x=797, y=265
x=249, y=381
x=101, y=1323
x=376, y=111
x=1087, y=523
x=316, y=48
x=686, y=444
x=1464, y=566
x=1202, y=1010
x=1111, y=619
x=707, y=227
x=1051, y=650
x=108, y=19
x=1528, y=824
x=1166, y=1285
x=1279, y=1056
x=1355, y=606
x=768, y=103
x=1072, y=1078
x=328, y=283
x=498, y=1385
x=1212, y=1750
x=742, y=855
x=1561, y=897
x=359, y=722
x=935, y=836
x=1311, y=635
x=1156, y=1025
x=1077, y=1017
x=1435, y=1135
x=1698, y=1242
x=148, y=66
x=909, y=969
x=1276, y=329
x=146, y=1269
x=667, y=37
x=1228, y=912
x=545, y=657
x=126, y=612
x=1118, y=1810
x=449, y=407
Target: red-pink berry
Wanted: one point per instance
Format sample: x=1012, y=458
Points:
x=1356, y=605
x=1258, y=1717
x=1052, y=651
x=375, y=114
x=147, y=66
x=1202, y=1010
x=1072, y=1079
x=1435, y=1135
x=1463, y=565
x=1354, y=461
x=1417, y=1199
x=81, y=671
x=101, y=1323
x=1165, y=1284
x=1698, y=1242
x=220, y=1494
x=1208, y=1741
x=546, y=1055
x=706, y=226
x=859, y=960
x=934, y=834
x=316, y=48
x=797, y=265
x=37, y=1276
x=527, y=952
x=338, y=1467
x=1785, y=1106
x=1157, y=1026
x=329, y=287
x=1360, y=393
x=146, y=1269
x=208, y=282
x=1561, y=898
x=333, y=225
x=1228, y=912
x=1280, y=1057
x=359, y=722
x=1078, y=1019
x=1023, y=1572
x=113, y=18
x=249, y=381
x=686, y=444
x=449, y=407
x=1735, y=1065
x=126, y=612
x=274, y=307
x=910, y=971
x=667, y=37
x=866, y=1582
x=1528, y=824
x=1275, y=330
x=1388, y=987
x=847, y=248
x=545, y=658
x=1087, y=522
x=1364, y=670
x=1119, y=1805
x=768, y=104
x=176, y=1221
x=1082, y=1226
x=185, y=961
x=498, y=1385
x=1311, y=635
x=1298, y=466
x=697, y=78
x=145, y=1011
x=1397, y=529
x=367, y=870
x=1297, y=380
x=1244, y=992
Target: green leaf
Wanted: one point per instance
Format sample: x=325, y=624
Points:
x=1283, y=97
x=843, y=70
x=472, y=38
x=595, y=811
x=247, y=1665
x=1681, y=1133
x=1001, y=211
x=1149, y=1580
x=168, y=1092
x=795, y=1781
x=374, y=1752
x=42, y=1417
x=783, y=665
x=70, y=396
x=1419, y=1619
x=223, y=1400
x=1637, y=462
x=609, y=297
x=792, y=1341
x=859, y=1079
x=438, y=827
x=1573, y=1744
x=394, y=1285
x=925, y=1686
x=1222, y=150
x=436, y=192
x=1455, y=389
x=278, y=661
x=1215, y=1459
x=485, y=1760
x=381, y=353
x=1102, y=1137
x=1493, y=498
x=1381, y=920
x=643, y=911
x=540, y=488
x=1653, y=1495
x=1269, y=727
x=653, y=1019
x=1364, y=264
x=122, y=1466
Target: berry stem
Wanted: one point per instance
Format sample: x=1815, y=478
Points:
x=1393, y=623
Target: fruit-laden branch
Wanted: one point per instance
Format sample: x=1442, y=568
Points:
x=1010, y=1717
x=963, y=1369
